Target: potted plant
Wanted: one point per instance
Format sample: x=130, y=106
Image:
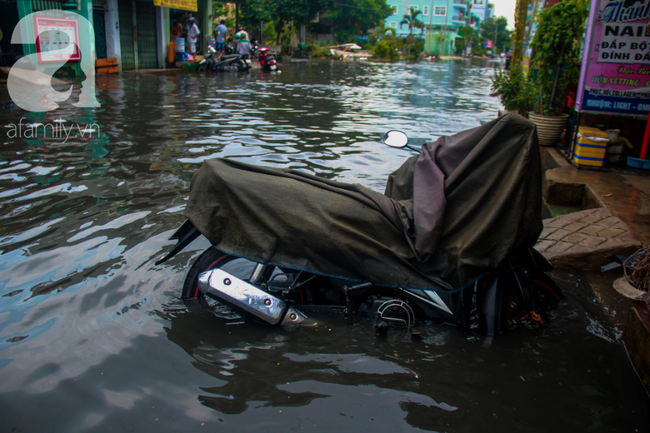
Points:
x=516, y=92
x=557, y=53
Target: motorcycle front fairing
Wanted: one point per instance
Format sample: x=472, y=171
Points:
x=448, y=215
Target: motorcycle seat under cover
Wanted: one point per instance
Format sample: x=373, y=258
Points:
x=448, y=215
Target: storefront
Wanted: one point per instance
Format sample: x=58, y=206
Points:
x=8, y=21
x=614, y=88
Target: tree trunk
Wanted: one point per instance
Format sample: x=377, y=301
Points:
x=279, y=25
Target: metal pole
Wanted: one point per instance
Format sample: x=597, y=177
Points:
x=430, y=25
x=444, y=29
x=496, y=28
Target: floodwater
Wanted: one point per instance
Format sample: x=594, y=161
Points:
x=93, y=337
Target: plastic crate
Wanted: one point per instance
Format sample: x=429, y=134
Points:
x=590, y=150
x=588, y=160
x=592, y=132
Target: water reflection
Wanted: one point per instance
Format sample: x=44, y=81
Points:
x=92, y=333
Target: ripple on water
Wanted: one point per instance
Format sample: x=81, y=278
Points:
x=94, y=335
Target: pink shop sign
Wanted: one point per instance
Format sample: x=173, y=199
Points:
x=615, y=76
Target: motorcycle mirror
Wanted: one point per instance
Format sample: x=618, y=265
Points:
x=395, y=138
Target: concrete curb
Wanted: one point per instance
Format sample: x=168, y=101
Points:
x=636, y=338
x=623, y=286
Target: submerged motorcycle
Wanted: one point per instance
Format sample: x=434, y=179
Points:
x=449, y=241
x=227, y=62
x=267, y=60
x=209, y=60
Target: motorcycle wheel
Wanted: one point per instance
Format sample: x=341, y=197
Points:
x=513, y=313
x=208, y=260
x=202, y=67
x=241, y=66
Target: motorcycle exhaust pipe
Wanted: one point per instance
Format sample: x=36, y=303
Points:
x=224, y=287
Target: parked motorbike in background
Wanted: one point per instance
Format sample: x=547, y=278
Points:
x=267, y=60
x=289, y=247
x=255, y=46
x=227, y=62
x=209, y=61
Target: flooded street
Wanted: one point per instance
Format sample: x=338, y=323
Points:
x=94, y=337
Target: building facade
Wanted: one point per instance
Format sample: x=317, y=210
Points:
x=442, y=20
x=479, y=11
x=135, y=32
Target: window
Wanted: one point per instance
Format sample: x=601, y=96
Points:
x=393, y=25
x=394, y=7
x=440, y=11
x=478, y=2
x=425, y=11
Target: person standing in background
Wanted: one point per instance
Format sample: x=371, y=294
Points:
x=243, y=33
x=177, y=30
x=243, y=46
x=220, y=37
x=193, y=33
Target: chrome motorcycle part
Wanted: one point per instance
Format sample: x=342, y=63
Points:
x=258, y=274
x=294, y=317
x=230, y=289
x=397, y=311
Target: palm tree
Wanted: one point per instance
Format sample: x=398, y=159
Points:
x=386, y=38
x=413, y=23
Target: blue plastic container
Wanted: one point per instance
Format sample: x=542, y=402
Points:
x=638, y=163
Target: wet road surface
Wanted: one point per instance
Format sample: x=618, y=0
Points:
x=94, y=338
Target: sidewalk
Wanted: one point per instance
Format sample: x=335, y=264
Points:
x=613, y=213
x=612, y=216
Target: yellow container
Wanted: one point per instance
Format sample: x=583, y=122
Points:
x=588, y=140
x=587, y=160
x=590, y=150
x=592, y=132
x=590, y=147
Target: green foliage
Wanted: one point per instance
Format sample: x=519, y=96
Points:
x=413, y=23
x=319, y=51
x=219, y=9
x=479, y=49
x=515, y=90
x=415, y=47
x=468, y=36
x=386, y=51
x=557, y=52
x=356, y=17
x=386, y=44
x=497, y=28
x=281, y=13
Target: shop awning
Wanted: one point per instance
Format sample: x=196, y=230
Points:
x=186, y=5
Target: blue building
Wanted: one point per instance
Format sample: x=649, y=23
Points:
x=442, y=20
x=479, y=11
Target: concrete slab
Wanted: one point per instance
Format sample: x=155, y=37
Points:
x=585, y=238
x=623, y=190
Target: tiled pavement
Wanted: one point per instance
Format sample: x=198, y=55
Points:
x=582, y=239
